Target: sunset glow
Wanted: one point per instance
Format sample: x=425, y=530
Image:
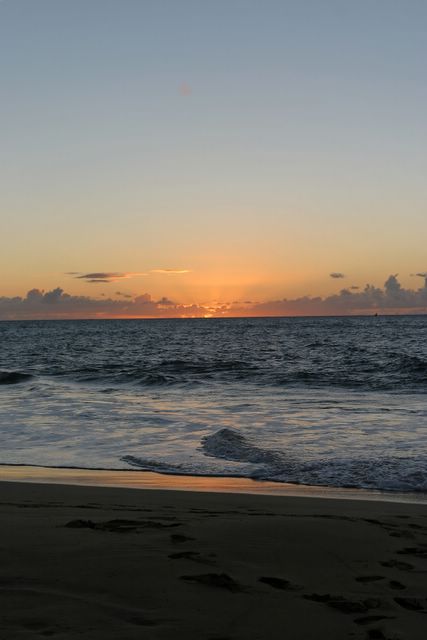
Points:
x=291, y=148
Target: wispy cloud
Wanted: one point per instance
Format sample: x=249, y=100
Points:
x=97, y=277
x=104, y=276
x=100, y=275
x=336, y=274
x=170, y=272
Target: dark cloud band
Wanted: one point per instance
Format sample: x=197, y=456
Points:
x=392, y=298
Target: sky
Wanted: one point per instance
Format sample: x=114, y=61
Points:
x=212, y=157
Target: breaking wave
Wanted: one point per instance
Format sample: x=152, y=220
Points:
x=355, y=369
x=231, y=445
x=390, y=473
x=14, y=377
x=154, y=465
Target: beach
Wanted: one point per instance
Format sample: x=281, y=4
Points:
x=103, y=562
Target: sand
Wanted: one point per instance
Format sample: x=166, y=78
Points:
x=100, y=563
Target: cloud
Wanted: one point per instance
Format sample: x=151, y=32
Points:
x=56, y=304
x=53, y=297
x=336, y=274
x=104, y=276
x=34, y=295
x=98, y=275
x=123, y=295
x=165, y=302
x=391, y=298
x=354, y=287
x=170, y=272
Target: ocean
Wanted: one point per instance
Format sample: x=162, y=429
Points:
x=336, y=402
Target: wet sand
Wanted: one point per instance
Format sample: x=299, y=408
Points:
x=91, y=562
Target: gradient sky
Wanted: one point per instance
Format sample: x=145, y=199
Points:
x=254, y=146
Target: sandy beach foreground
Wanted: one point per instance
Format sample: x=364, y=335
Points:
x=90, y=562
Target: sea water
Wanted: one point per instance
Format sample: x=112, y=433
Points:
x=336, y=402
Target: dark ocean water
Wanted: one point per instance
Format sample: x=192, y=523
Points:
x=324, y=401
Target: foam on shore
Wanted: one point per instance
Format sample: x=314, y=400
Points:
x=150, y=480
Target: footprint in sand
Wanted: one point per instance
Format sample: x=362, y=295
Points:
x=218, y=580
x=195, y=556
x=187, y=555
x=119, y=525
x=418, y=552
x=395, y=584
x=370, y=619
x=412, y=604
x=337, y=602
x=397, y=564
x=178, y=538
x=369, y=578
x=279, y=583
x=376, y=634
x=41, y=627
x=342, y=604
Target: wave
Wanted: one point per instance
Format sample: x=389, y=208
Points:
x=14, y=377
x=164, y=373
x=229, y=444
x=139, y=378
x=355, y=370
x=391, y=473
x=385, y=474
x=206, y=366
x=414, y=366
x=153, y=465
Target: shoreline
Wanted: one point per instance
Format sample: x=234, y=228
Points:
x=149, y=480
